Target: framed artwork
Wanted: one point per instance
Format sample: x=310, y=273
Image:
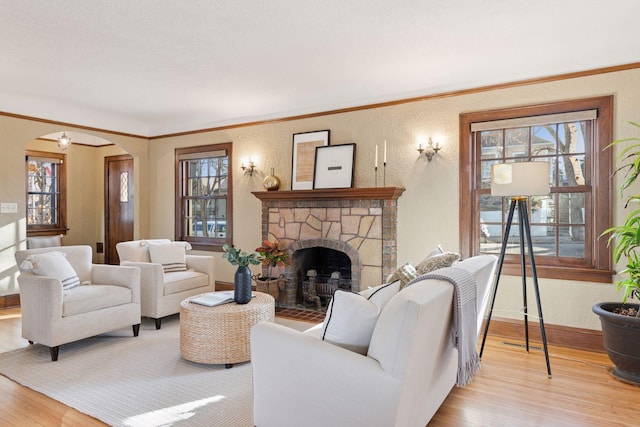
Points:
x=304, y=154
x=334, y=166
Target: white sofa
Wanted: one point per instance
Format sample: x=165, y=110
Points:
x=162, y=292
x=408, y=371
x=108, y=299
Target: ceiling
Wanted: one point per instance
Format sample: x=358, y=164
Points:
x=157, y=67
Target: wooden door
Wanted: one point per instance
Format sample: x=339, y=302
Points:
x=118, y=204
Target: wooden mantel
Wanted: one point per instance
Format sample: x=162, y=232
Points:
x=382, y=193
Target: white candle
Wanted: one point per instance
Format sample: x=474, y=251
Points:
x=384, y=158
x=376, y=164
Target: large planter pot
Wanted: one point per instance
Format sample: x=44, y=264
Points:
x=621, y=336
x=242, y=285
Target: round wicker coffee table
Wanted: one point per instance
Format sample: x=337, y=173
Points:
x=220, y=334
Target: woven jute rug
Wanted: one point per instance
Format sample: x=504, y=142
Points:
x=141, y=381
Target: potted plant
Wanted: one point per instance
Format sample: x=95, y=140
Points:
x=242, y=278
x=621, y=321
x=273, y=255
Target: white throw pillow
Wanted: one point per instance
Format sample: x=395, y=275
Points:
x=380, y=295
x=351, y=317
x=52, y=264
x=172, y=255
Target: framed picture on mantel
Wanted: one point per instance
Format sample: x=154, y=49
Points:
x=334, y=166
x=304, y=154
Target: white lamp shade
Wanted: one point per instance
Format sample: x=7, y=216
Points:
x=520, y=179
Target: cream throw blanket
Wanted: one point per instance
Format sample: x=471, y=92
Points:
x=464, y=319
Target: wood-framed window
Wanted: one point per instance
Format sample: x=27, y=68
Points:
x=565, y=225
x=204, y=196
x=46, y=184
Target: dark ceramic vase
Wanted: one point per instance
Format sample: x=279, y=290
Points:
x=621, y=337
x=242, y=285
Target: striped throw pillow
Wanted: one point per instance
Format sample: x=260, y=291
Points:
x=52, y=264
x=172, y=255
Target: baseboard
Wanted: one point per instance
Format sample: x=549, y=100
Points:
x=224, y=286
x=12, y=300
x=563, y=336
x=228, y=286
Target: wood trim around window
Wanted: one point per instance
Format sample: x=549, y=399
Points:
x=601, y=163
x=197, y=243
x=45, y=230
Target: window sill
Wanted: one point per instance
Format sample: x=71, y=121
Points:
x=34, y=232
x=561, y=273
x=210, y=247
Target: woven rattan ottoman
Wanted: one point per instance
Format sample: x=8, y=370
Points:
x=220, y=334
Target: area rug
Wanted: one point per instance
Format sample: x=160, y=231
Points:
x=137, y=382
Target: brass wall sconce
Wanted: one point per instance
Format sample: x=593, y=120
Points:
x=430, y=150
x=248, y=169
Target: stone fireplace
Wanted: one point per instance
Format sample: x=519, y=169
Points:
x=346, y=238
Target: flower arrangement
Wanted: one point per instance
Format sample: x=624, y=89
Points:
x=273, y=254
x=239, y=257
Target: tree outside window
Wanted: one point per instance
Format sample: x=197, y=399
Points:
x=565, y=226
x=46, y=193
x=203, y=205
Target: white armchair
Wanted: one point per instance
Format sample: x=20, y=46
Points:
x=107, y=298
x=162, y=290
x=408, y=371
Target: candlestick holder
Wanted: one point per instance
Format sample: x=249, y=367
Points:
x=384, y=174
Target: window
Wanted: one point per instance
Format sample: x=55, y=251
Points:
x=204, y=196
x=46, y=193
x=566, y=225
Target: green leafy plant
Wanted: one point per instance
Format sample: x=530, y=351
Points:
x=626, y=237
x=239, y=257
x=273, y=255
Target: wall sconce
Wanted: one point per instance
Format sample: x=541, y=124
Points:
x=431, y=149
x=248, y=169
x=64, y=141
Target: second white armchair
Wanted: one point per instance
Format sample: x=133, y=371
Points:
x=167, y=274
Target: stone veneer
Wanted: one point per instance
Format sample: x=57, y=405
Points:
x=361, y=222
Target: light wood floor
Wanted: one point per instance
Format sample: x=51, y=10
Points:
x=511, y=389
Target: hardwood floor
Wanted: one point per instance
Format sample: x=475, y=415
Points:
x=511, y=389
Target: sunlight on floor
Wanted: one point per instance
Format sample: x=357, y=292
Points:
x=170, y=415
x=10, y=316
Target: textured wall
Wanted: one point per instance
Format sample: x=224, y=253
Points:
x=428, y=210
x=85, y=205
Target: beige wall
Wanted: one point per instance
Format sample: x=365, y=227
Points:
x=85, y=204
x=428, y=210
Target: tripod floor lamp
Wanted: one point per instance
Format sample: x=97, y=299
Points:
x=520, y=180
